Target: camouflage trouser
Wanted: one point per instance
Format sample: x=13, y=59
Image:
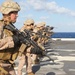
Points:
x=28, y=63
x=21, y=64
x=6, y=68
x=10, y=70
x=2, y=73
x=25, y=59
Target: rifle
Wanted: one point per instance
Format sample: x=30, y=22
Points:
x=44, y=52
x=49, y=28
x=27, y=39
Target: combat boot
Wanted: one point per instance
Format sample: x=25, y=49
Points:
x=30, y=73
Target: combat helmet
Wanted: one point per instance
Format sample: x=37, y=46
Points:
x=41, y=24
x=29, y=21
x=9, y=6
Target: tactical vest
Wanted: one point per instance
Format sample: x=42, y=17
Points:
x=11, y=53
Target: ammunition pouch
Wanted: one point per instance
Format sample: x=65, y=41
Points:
x=14, y=56
x=5, y=54
x=9, y=54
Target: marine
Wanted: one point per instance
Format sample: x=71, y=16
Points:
x=38, y=40
x=43, y=38
x=26, y=56
x=9, y=42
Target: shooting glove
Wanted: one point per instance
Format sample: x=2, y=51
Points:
x=36, y=51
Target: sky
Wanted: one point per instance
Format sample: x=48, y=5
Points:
x=57, y=13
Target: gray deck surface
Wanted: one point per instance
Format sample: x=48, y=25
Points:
x=63, y=52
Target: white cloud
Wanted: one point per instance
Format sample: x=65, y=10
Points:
x=47, y=6
x=37, y=5
x=24, y=6
x=53, y=7
x=72, y=13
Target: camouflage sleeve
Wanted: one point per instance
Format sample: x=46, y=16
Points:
x=41, y=46
x=6, y=43
x=1, y=30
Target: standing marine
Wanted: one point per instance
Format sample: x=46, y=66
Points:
x=26, y=56
x=8, y=41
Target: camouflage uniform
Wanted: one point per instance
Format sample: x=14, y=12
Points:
x=39, y=40
x=7, y=44
x=44, y=33
x=26, y=57
x=40, y=26
x=43, y=37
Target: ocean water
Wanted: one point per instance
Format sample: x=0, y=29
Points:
x=63, y=35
